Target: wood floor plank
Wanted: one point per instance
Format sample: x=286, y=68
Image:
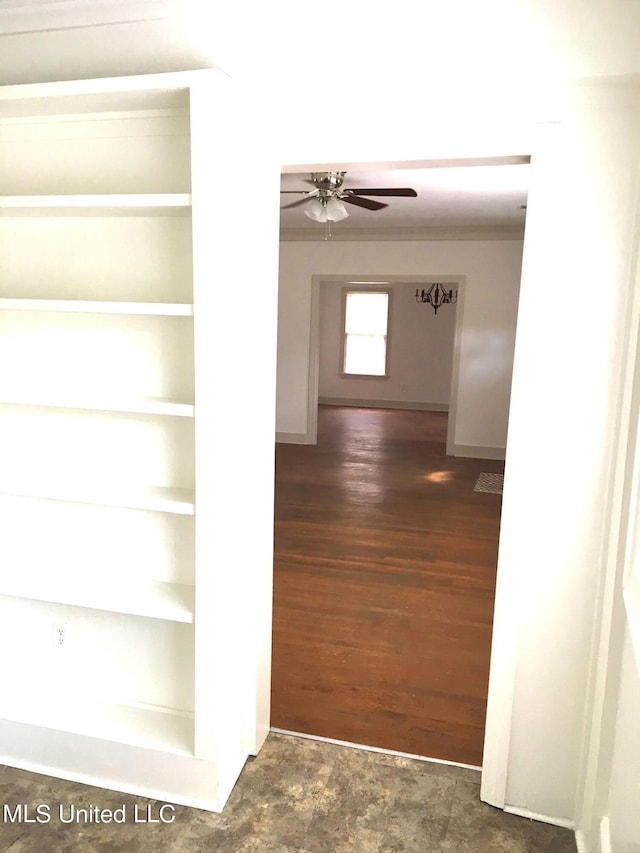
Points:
x=384, y=585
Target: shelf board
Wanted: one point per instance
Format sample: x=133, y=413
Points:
x=75, y=306
x=143, y=406
x=109, y=201
x=174, y=501
x=51, y=705
x=153, y=599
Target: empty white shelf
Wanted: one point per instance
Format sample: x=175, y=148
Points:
x=75, y=306
x=143, y=406
x=156, y=600
x=176, y=501
x=110, y=201
x=50, y=706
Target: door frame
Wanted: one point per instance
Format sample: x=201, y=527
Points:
x=313, y=381
x=503, y=661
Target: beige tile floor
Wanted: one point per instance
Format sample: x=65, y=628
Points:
x=298, y=795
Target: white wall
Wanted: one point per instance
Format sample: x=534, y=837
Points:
x=491, y=270
x=609, y=784
x=420, y=351
x=563, y=427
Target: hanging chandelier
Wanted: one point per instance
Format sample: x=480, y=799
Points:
x=437, y=295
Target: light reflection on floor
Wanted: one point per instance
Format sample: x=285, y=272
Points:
x=439, y=476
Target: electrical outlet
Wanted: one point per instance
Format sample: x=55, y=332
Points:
x=59, y=635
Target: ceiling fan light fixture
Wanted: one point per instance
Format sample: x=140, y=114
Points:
x=335, y=210
x=317, y=211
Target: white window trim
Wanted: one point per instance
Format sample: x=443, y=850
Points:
x=367, y=288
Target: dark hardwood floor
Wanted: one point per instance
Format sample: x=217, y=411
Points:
x=385, y=562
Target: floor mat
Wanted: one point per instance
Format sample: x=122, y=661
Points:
x=489, y=483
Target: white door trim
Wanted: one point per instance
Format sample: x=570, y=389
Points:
x=314, y=345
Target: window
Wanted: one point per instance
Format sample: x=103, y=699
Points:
x=366, y=321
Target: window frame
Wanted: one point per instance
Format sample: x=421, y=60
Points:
x=365, y=288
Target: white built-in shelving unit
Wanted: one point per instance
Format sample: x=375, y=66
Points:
x=115, y=590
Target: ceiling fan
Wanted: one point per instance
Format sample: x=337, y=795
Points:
x=329, y=194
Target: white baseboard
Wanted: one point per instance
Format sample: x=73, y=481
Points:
x=376, y=749
x=293, y=438
x=605, y=835
x=563, y=822
x=605, y=838
x=581, y=844
x=408, y=405
x=178, y=778
x=472, y=451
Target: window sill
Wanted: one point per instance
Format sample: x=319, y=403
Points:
x=363, y=376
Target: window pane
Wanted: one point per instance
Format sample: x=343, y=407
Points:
x=365, y=354
x=366, y=313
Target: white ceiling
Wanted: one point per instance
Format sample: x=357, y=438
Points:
x=472, y=195
x=326, y=51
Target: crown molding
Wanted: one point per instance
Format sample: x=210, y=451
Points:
x=462, y=232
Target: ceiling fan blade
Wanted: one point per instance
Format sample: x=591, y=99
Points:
x=299, y=201
x=407, y=192
x=364, y=202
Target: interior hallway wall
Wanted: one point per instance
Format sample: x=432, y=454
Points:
x=564, y=425
x=608, y=817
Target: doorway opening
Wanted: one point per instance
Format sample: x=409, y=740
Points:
x=424, y=348
x=371, y=552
